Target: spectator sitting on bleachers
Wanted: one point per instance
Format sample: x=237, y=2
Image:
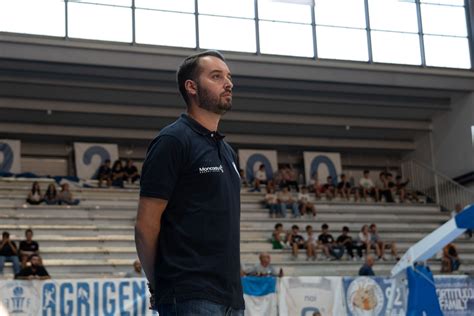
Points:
x=329, y=189
x=51, y=196
x=365, y=239
x=311, y=243
x=345, y=190
x=328, y=244
x=8, y=253
x=295, y=240
x=104, y=174
x=137, y=271
x=277, y=241
x=66, y=197
x=305, y=206
x=400, y=187
x=35, y=271
x=117, y=174
x=272, y=202
x=130, y=172
x=314, y=186
x=375, y=238
x=450, y=261
x=366, y=269
x=367, y=187
x=28, y=247
x=264, y=268
x=385, y=187
x=290, y=178
x=260, y=177
x=35, y=197
x=286, y=201
x=458, y=209
x=346, y=241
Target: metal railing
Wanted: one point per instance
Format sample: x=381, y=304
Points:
x=436, y=186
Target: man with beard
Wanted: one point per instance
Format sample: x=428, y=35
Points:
x=188, y=221
x=35, y=271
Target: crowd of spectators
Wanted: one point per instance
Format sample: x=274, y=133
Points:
x=51, y=196
x=26, y=261
x=332, y=248
x=118, y=174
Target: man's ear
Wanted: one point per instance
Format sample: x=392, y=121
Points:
x=191, y=87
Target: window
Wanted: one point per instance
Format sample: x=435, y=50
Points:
x=87, y=21
x=284, y=12
x=165, y=28
x=341, y=43
x=443, y=20
x=166, y=5
x=282, y=38
x=45, y=17
x=442, y=51
x=393, y=15
x=347, y=13
x=397, y=48
x=227, y=33
x=241, y=8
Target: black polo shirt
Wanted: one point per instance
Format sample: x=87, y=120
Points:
x=198, y=255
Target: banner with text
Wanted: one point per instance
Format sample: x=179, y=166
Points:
x=10, y=156
x=369, y=296
x=90, y=156
x=88, y=297
x=322, y=165
x=250, y=160
x=455, y=295
x=304, y=296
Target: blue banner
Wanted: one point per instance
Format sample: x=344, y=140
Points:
x=369, y=296
x=456, y=295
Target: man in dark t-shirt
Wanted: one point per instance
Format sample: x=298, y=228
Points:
x=34, y=271
x=8, y=252
x=28, y=247
x=131, y=172
x=328, y=244
x=188, y=220
x=104, y=174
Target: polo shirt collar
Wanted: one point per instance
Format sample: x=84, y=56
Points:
x=198, y=128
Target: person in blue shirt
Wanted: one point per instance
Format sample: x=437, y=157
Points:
x=187, y=231
x=366, y=269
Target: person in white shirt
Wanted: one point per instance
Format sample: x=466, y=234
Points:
x=365, y=238
x=286, y=201
x=367, y=186
x=260, y=178
x=305, y=206
x=272, y=202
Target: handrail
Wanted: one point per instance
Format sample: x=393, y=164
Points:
x=435, y=185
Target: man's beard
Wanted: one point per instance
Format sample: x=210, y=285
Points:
x=211, y=103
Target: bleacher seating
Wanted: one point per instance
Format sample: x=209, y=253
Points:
x=96, y=238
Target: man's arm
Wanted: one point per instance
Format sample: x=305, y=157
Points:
x=147, y=231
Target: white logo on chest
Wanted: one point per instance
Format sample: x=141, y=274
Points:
x=211, y=169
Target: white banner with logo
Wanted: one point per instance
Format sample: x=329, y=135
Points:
x=250, y=160
x=90, y=156
x=306, y=296
x=322, y=164
x=88, y=297
x=10, y=156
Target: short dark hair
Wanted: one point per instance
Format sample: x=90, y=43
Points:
x=345, y=229
x=295, y=227
x=366, y=171
x=308, y=227
x=278, y=225
x=188, y=70
x=29, y=230
x=342, y=175
x=5, y=235
x=398, y=177
x=372, y=225
x=324, y=226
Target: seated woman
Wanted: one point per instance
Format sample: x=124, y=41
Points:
x=51, y=196
x=65, y=196
x=117, y=174
x=450, y=261
x=34, y=196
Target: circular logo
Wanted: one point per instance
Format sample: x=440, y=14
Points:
x=365, y=297
x=19, y=298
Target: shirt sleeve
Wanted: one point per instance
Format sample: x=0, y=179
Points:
x=162, y=167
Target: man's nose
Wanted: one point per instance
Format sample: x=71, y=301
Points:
x=228, y=83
